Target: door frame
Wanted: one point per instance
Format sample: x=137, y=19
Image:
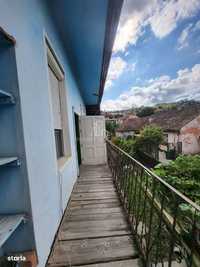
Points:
x=93, y=159
x=77, y=132
x=75, y=139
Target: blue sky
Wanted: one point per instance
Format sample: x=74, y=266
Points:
x=156, y=55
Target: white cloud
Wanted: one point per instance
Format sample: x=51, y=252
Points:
x=116, y=68
x=161, y=16
x=128, y=34
x=131, y=67
x=127, y=53
x=197, y=26
x=108, y=84
x=184, y=36
x=169, y=13
x=161, y=89
x=134, y=14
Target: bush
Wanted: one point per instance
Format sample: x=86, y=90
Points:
x=150, y=135
x=111, y=127
x=145, y=111
x=127, y=145
x=183, y=174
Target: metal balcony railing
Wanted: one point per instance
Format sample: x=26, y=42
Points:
x=164, y=222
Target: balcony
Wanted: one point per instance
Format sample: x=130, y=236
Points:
x=122, y=214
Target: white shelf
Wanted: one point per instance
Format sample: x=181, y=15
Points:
x=8, y=224
x=6, y=98
x=6, y=38
x=7, y=160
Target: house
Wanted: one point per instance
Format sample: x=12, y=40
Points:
x=113, y=117
x=181, y=126
x=130, y=126
x=117, y=116
x=54, y=57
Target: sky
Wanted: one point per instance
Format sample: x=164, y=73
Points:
x=156, y=54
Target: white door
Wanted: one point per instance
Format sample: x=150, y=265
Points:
x=92, y=140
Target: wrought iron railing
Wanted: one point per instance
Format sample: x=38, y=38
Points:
x=151, y=150
x=164, y=222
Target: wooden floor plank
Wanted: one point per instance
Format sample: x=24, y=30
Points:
x=91, y=190
x=98, y=182
x=89, y=251
x=96, y=228
x=85, y=216
x=95, y=221
x=93, y=195
x=121, y=263
x=95, y=174
x=99, y=194
x=97, y=211
x=106, y=202
x=97, y=233
x=97, y=177
x=95, y=186
x=96, y=207
x=94, y=231
x=126, y=263
x=94, y=199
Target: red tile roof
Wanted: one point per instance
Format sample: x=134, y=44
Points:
x=172, y=119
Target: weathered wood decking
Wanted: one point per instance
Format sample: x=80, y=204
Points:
x=94, y=231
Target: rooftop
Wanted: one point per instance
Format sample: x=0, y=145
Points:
x=172, y=119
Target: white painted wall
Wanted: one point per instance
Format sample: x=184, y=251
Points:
x=125, y=134
x=190, y=137
x=29, y=22
x=162, y=156
x=173, y=138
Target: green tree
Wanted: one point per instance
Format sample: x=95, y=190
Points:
x=145, y=111
x=111, y=127
x=183, y=174
x=150, y=135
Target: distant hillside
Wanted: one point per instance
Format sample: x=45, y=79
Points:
x=184, y=104
x=145, y=111
x=168, y=117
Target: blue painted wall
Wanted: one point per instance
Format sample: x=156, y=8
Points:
x=29, y=22
x=82, y=25
x=14, y=193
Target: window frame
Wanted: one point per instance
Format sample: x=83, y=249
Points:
x=54, y=64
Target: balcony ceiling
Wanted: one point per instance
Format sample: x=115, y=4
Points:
x=87, y=29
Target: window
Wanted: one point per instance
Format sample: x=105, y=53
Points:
x=59, y=107
x=59, y=142
x=165, y=138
